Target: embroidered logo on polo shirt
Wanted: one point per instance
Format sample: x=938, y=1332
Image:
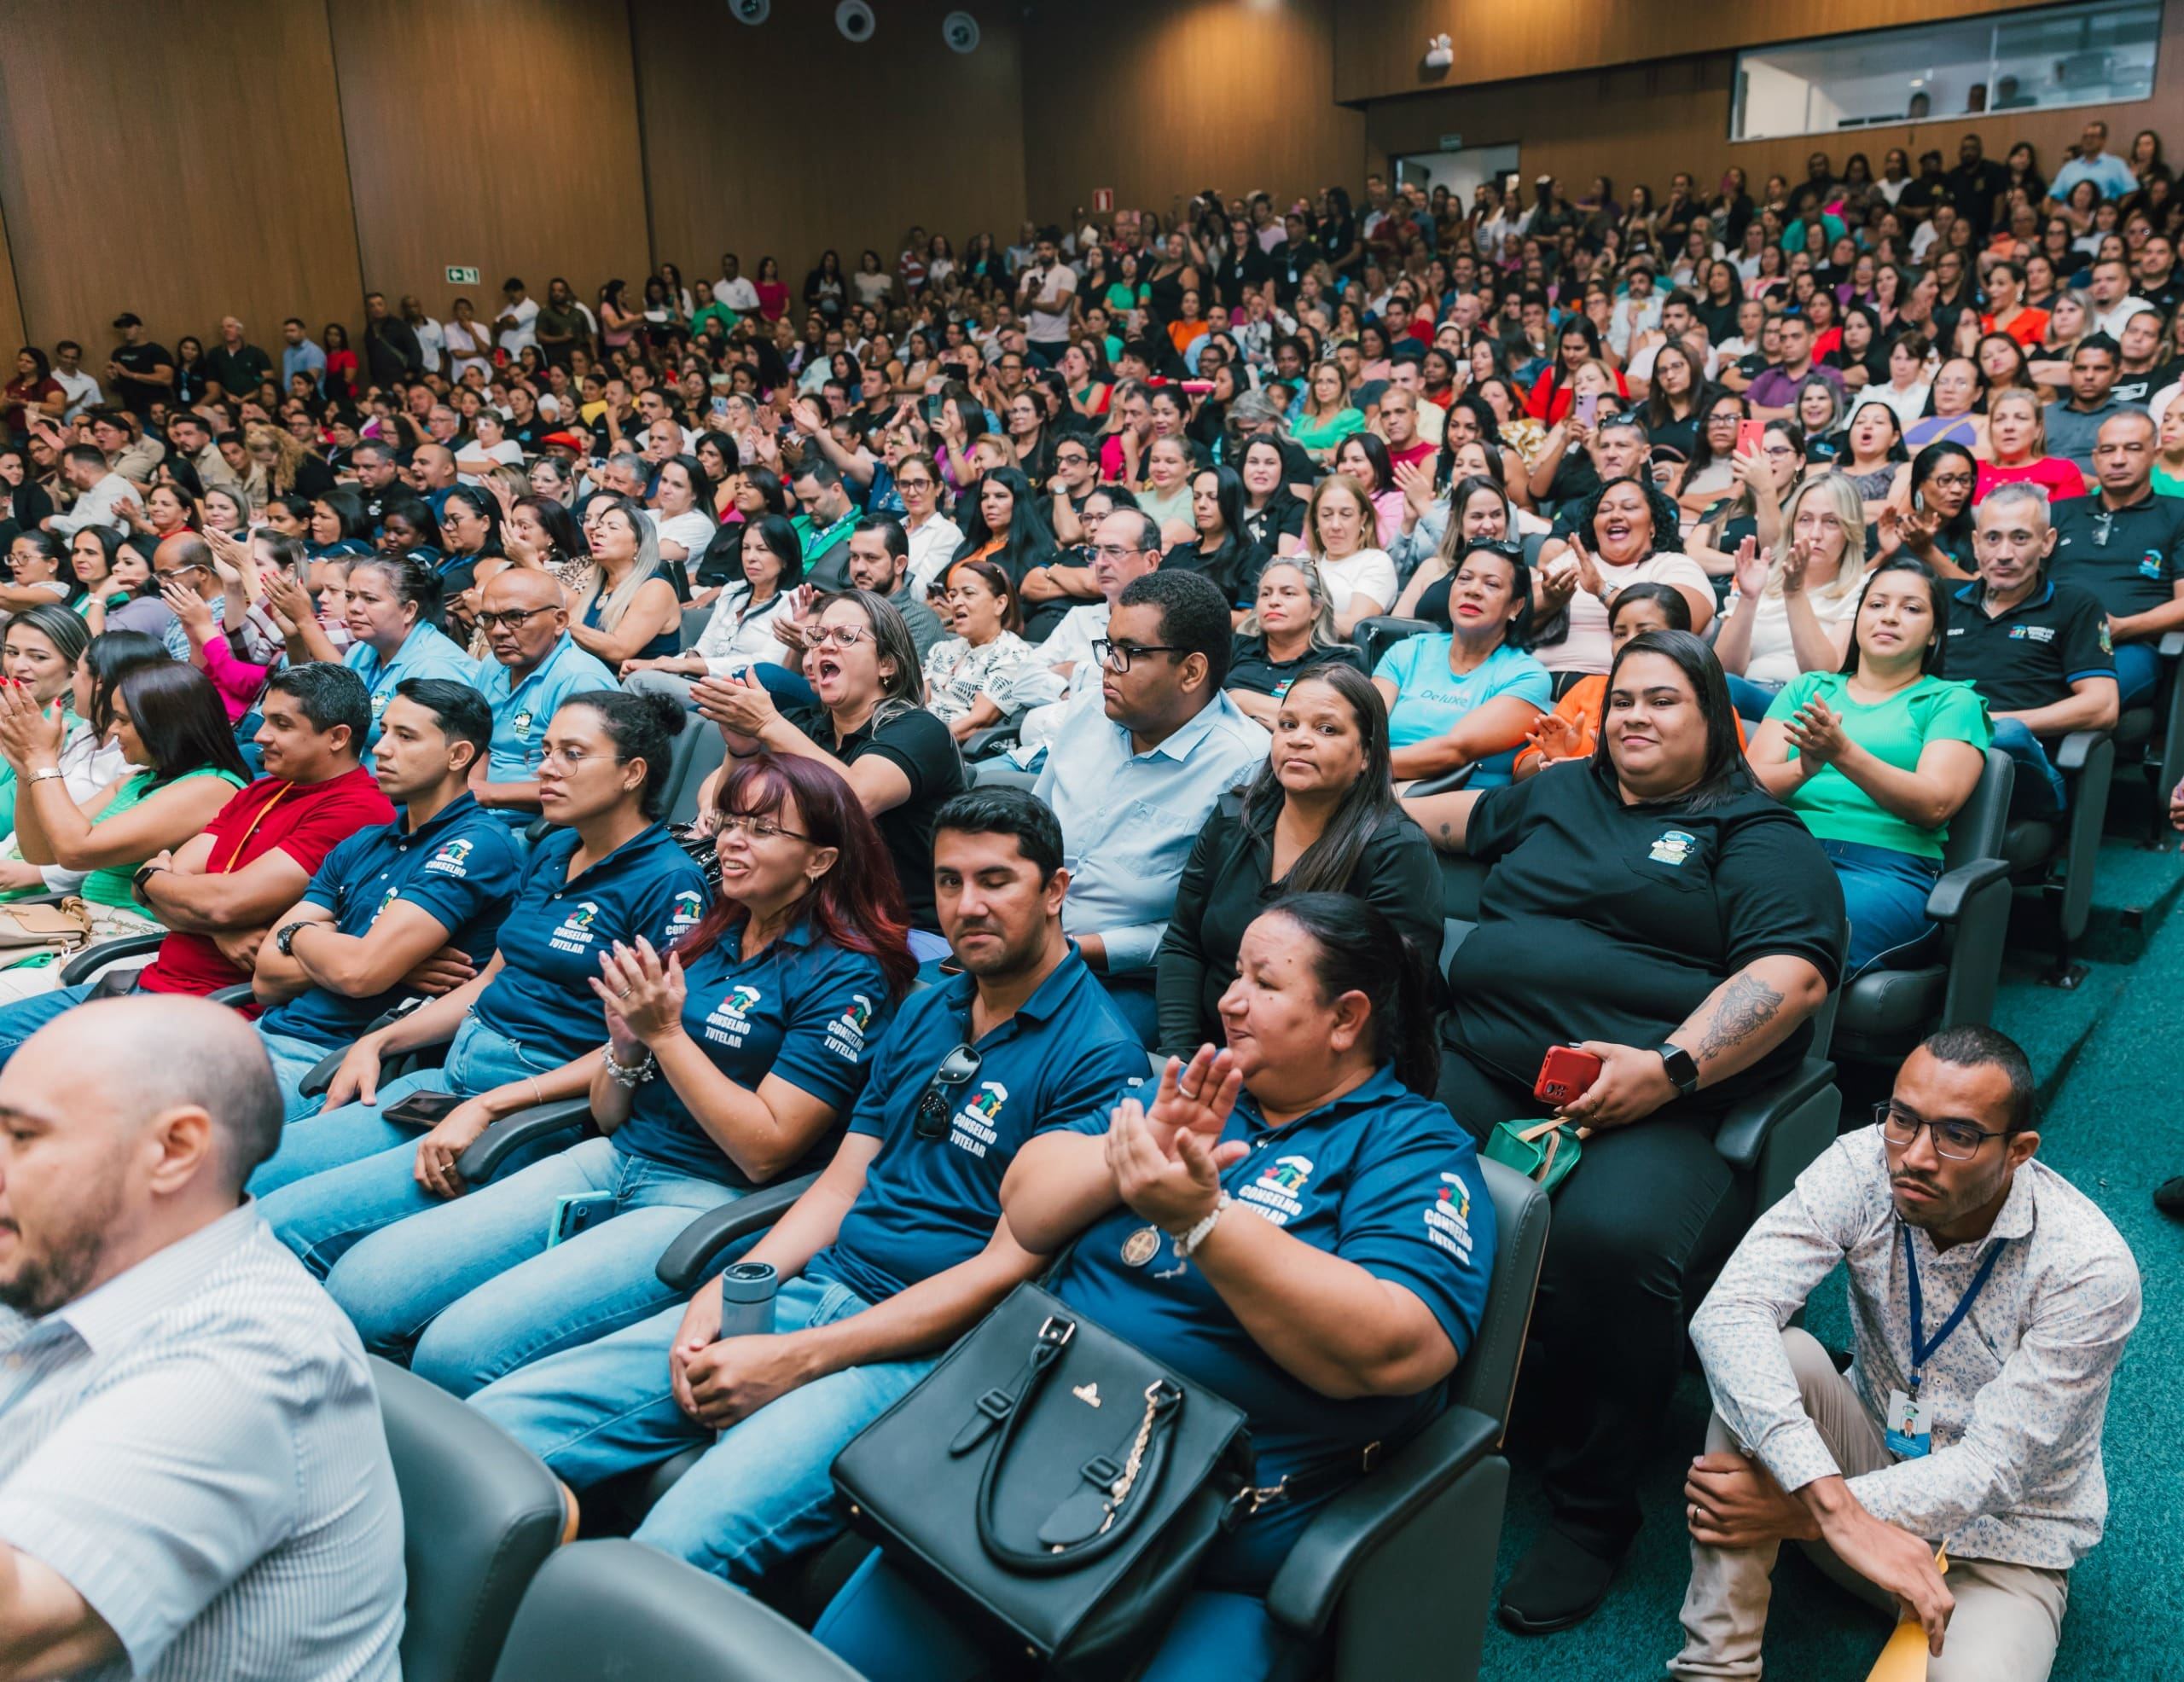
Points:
x=575, y=934
x=1277, y=1193
x=690, y=906
x=387, y=899
x=521, y=725
x=731, y=1018
x=974, y=1128
x=1674, y=847
x=845, y=1033
x=2151, y=565
x=2037, y=633
x=452, y=859
x=1448, y=1218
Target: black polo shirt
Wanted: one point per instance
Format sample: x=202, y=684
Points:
x=2030, y=656
x=918, y=745
x=2129, y=558
x=1601, y=921
x=1250, y=667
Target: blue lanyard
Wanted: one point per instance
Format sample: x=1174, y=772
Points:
x=1923, y=1348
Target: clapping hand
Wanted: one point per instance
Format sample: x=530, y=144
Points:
x=1174, y=1191
x=1415, y=478
x=1196, y=1097
x=1793, y=566
x=1752, y=568
x=1815, y=730
x=645, y=993
x=1557, y=737
x=288, y=599
x=1589, y=575
x=30, y=735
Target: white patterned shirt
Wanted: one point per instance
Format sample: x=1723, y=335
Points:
x=2016, y=1396
x=195, y=1446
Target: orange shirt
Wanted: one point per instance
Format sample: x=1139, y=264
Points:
x=2029, y=329
x=1582, y=706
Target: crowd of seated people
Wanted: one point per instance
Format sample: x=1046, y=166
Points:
x=1720, y=538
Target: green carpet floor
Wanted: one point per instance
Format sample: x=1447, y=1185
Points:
x=2112, y=1091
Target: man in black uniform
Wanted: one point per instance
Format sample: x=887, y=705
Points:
x=2126, y=546
x=143, y=373
x=2038, y=651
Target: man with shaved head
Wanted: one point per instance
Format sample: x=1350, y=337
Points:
x=193, y=1481
x=539, y=666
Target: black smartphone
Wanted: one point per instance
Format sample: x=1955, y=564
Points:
x=422, y=1109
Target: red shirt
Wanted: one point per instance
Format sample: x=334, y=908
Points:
x=2059, y=478
x=1418, y=451
x=303, y=819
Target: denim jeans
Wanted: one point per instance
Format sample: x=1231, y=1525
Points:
x=23, y=1018
x=1885, y=893
x=763, y=1493
x=2138, y=669
x=1751, y=699
x=472, y=1286
x=348, y=1172
x=2038, y=791
x=293, y=1059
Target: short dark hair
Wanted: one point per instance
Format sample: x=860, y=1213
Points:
x=460, y=710
x=1194, y=617
x=2100, y=342
x=819, y=470
x=1006, y=811
x=85, y=456
x=414, y=581
x=326, y=695
x=1974, y=1045
x=890, y=531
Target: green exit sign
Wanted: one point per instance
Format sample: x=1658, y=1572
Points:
x=462, y=277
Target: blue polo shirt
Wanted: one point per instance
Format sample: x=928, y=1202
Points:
x=462, y=868
x=647, y=888
x=930, y=1204
x=1380, y=1177
x=804, y=1009
x=426, y=651
x=1431, y=700
x=521, y=710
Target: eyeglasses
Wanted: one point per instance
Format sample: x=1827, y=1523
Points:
x=1115, y=551
x=1117, y=656
x=757, y=828
x=846, y=636
x=1959, y=1141
x=513, y=618
x=914, y=485
x=957, y=1070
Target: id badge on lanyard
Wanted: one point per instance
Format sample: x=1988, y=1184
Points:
x=1906, y=1429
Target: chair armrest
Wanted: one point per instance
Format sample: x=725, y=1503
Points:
x=321, y=1073
x=2171, y=645
x=1956, y=888
x=238, y=996
x=1343, y=1535
x=97, y=956
x=684, y=1263
x=2071, y=755
x=1741, y=1134
x=1445, y=782
x=991, y=739
x=492, y=1147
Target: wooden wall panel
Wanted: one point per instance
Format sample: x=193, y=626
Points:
x=11, y=305
x=1230, y=94
x=501, y=137
x=182, y=160
x=783, y=138
x=1648, y=121
x=1381, y=49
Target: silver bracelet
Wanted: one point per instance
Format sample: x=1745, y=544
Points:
x=630, y=1075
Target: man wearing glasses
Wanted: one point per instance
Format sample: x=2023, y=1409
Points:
x=537, y=665
x=896, y=1251
x=1125, y=546
x=1991, y=1300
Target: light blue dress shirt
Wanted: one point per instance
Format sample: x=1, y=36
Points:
x=1129, y=819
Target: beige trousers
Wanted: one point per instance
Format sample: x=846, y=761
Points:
x=2007, y=1617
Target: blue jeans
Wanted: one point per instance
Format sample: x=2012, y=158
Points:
x=2138, y=669
x=472, y=1286
x=1133, y=993
x=1751, y=699
x=346, y=1172
x=23, y=1018
x=2038, y=791
x=293, y=1059
x=884, y=1625
x=1885, y=893
x=763, y=1493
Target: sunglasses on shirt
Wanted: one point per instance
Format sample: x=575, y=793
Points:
x=957, y=1070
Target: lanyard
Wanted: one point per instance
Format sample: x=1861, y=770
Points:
x=236, y=857
x=1923, y=1349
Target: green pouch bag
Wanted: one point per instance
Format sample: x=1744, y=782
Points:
x=1542, y=1151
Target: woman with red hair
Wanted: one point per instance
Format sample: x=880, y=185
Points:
x=730, y=1062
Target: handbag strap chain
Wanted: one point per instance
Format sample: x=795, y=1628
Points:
x=1158, y=1396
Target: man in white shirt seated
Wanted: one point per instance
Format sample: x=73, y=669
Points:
x=194, y=1484
x=1991, y=1300
x=100, y=493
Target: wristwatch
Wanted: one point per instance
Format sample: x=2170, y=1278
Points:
x=1682, y=1070
x=286, y=939
x=144, y=874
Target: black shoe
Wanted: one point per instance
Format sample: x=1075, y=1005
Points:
x=2169, y=1196
x=1557, y=1585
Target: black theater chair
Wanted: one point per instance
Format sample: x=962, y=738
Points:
x=2059, y=856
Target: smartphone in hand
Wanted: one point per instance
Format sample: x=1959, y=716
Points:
x=1566, y=1074
x=1751, y=438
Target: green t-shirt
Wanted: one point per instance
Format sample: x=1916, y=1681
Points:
x=1896, y=731
x=714, y=311
x=112, y=885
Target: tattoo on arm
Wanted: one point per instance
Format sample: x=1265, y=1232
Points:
x=1747, y=1005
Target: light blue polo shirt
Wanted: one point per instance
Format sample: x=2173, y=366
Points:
x=1431, y=700
x=426, y=651
x=522, y=709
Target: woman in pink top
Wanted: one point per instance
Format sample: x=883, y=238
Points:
x=2017, y=433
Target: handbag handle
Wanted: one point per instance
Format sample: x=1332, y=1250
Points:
x=1533, y=1132
x=1045, y=1352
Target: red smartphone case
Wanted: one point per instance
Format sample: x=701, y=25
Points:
x=1565, y=1074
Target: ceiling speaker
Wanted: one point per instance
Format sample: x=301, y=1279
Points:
x=750, y=11
x=855, y=19
x=960, y=30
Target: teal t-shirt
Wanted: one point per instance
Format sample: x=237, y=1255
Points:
x=1896, y=731
x=1430, y=699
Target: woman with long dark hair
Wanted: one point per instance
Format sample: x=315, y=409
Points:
x=740, y=634
x=1468, y=696
x=1320, y=816
x=1657, y=907
x=728, y=1060
x=1938, y=529
x=1223, y=552
x=1002, y=523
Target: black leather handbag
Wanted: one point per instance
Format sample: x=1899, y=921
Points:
x=1056, y=1479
